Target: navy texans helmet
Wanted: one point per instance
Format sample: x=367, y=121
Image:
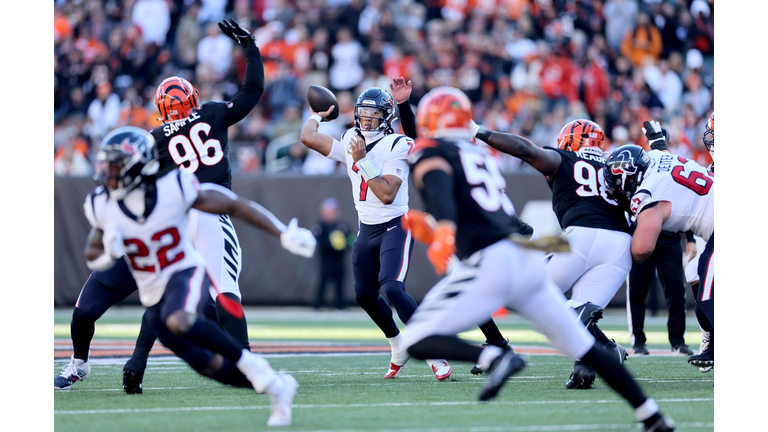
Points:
x=625, y=168
x=127, y=155
x=377, y=105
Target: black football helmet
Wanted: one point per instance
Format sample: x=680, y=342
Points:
x=625, y=169
x=127, y=155
x=367, y=104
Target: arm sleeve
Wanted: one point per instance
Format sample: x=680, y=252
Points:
x=438, y=195
x=338, y=150
x=253, y=87
x=689, y=236
x=407, y=119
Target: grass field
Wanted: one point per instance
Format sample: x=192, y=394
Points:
x=346, y=391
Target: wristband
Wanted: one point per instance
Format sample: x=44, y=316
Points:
x=367, y=169
x=316, y=118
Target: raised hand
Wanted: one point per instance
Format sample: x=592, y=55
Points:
x=401, y=90
x=232, y=29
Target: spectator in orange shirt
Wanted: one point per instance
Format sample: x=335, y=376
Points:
x=642, y=42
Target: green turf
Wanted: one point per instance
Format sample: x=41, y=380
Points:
x=349, y=392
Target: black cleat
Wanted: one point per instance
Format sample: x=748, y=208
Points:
x=639, y=349
x=582, y=377
x=681, y=349
x=502, y=367
x=132, y=382
x=705, y=359
x=476, y=370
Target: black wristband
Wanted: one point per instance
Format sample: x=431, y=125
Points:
x=483, y=134
x=659, y=145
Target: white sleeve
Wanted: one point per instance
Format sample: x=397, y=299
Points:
x=89, y=208
x=397, y=164
x=338, y=151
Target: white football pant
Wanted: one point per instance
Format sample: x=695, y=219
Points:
x=215, y=238
x=502, y=274
x=596, y=266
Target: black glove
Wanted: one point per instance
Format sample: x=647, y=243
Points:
x=234, y=31
x=657, y=138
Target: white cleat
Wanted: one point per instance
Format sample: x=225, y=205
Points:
x=441, y=368
x=73, y=372
x=281, y=393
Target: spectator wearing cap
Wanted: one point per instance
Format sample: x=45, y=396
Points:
x=333, y=239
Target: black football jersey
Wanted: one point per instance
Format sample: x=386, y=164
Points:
x=485, y=212
x=579, y=196
x=197, y=144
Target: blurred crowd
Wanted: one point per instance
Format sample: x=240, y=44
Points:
x=529, y=66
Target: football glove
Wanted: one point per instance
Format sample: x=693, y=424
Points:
x=442, y=248
x=298, y=241
x=422, y=226
x=232, y=29
x=655, y=135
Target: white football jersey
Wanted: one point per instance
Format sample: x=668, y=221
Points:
x=390, y=154
x=159, y=246
x=684, y=183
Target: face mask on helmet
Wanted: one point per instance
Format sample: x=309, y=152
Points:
x=625, y=169
x=127, y=156
x=374, y=113
x=709, y=135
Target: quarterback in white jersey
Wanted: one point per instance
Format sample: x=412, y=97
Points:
x=141, y=217
x=377, y=164
x=671, y=193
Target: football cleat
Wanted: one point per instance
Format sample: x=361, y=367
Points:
x=581, y=378
x=681, y=349
x=73, y=372
x=441, y=368
x=502, y=367
x=476, y=369
x=281, y=393
x=661, y=425
x=132, y=382
x=639, y=349
x=394, y=371
x=704, y=360
x=617, y=350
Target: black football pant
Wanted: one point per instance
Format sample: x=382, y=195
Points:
x=666, y=261
x=332, y=273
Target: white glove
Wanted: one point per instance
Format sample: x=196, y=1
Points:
x=473, y=127
x=298, y=241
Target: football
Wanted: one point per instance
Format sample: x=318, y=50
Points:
x=320, y=99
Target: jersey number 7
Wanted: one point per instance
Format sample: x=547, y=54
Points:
x=363, y=184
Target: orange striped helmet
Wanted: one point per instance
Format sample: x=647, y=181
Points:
x=176, y=98
x=444, y=111
x=581, y=134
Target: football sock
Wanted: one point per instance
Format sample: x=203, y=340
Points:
x=492, y=334
x=445, y=347
x=81, y=328
x=208, y=334
x=380, y=312
x=147, y=336
x=236, y=327
x=399, y=357
x=609, y=368
x=403, y=303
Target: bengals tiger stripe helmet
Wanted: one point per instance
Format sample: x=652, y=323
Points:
x=176, y=98
x=444, y=111
x=582, y=135
x=709, y=134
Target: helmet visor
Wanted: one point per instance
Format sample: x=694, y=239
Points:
x=369, y=117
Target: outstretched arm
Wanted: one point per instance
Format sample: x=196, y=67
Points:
x=299, y=241
x=252, y=89
x=545, y=161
